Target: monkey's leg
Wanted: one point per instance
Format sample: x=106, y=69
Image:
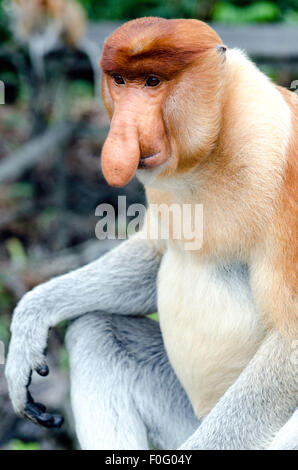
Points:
x=287, y=437
x=123, y=281
x=124, y=392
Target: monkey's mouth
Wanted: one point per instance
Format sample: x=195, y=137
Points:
x=151, y=161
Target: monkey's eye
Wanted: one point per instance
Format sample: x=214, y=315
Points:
x=152, y=81
x=118, y=79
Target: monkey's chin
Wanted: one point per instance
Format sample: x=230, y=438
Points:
x=152, y=161
x=149, y=175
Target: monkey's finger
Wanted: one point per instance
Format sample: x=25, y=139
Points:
x=42, y=407
x=38, y=405
x=35, y=412
x=50, y=420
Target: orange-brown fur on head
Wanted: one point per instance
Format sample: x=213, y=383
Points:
x=156, y=46
x=168, y=50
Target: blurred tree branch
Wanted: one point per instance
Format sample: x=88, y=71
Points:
x=38, y=148
x=20, y=279
x=13, y=166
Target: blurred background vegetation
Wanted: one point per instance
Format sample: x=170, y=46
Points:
x=224, y=11
x=52, y=127
x=233, y=11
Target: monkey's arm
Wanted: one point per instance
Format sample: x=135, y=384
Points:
x=265, y=395
x=287, y=437
x=122, y=282
x=256, y=406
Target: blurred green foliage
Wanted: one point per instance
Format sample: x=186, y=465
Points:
x=20, y=190
x=225, y=11
x=16, y=444
x=16, y=252
x=154, y=316
x=260, y=12
x=6, y=302
x=64, y=360
x=4, y=31
x=128, y=9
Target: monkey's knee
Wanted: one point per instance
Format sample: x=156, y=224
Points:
x=102, y=375
x=83, y=331
x=122, y=385
x=98, y=336
x=93, y=348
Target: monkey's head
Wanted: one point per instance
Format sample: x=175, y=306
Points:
x=162, y=88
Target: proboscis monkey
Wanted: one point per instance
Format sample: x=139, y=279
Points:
x=65, y=18
x=197, y=123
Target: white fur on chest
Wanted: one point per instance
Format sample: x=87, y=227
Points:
x=209, y=323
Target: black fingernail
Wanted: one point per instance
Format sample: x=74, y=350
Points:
x=42, y=370
x=50, y=421
x=58, y=421
x=36, y=412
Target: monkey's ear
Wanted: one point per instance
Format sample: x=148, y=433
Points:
x=221, y=48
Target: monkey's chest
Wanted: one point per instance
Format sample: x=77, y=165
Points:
x=209, y=322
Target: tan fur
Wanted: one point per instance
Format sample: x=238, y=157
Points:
x=233, y=138
x=248, y=184
x=276, y=280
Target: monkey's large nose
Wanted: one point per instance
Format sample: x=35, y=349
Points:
x=120, y=154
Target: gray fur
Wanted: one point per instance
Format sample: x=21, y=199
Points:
x=123, y=281
x=287, y=437
x=123, y=388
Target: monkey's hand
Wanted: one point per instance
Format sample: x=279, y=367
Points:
x=123, y=282
x=26, y=355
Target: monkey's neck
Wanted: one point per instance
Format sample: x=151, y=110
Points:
x=240, y=180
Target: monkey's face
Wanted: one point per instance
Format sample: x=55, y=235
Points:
x=138, y=137
x=153, y=70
